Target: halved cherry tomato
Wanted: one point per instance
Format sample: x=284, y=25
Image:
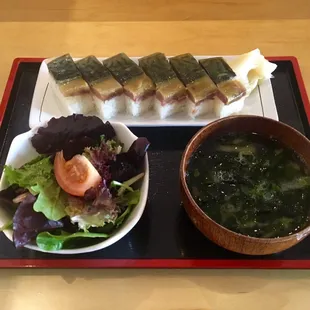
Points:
x=76, y=175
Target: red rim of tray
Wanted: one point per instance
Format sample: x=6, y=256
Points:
x=155, y=263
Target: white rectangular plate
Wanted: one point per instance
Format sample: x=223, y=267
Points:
x=44, y=105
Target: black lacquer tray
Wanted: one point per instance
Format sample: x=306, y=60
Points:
x=164, y=237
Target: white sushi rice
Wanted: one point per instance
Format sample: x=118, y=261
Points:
x=214, y=107
x=110, y=108
x=222, y=110
x=204, y=107
x=169, y=108
x=137, y=108
x=81, y=104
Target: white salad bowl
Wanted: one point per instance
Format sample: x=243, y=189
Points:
x=21, y=151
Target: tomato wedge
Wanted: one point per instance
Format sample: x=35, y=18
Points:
x=76, y=175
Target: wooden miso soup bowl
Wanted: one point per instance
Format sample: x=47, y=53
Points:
x=217, y=233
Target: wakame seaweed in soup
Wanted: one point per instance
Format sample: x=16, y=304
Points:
x=251, y=184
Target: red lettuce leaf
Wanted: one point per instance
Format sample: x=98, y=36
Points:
x=129, y=164
x=101, y=157
x=11, y=192
x=104, y=200
x=95, y=200
x=6, y=199
x=27, y=223
x=71, y=134
x=96, y=209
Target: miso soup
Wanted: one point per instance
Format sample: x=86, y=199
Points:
x=251, y=184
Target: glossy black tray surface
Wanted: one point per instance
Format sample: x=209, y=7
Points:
x=164, y=237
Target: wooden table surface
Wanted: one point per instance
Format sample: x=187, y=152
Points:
x=36, y=28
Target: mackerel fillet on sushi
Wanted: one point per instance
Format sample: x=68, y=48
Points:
x=202, y=91
x=138, y=87
x=107, y=92
x=225, y=79
x=72, y=92
x=171, y=94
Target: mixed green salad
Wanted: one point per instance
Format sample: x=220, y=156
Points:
x=81, y=187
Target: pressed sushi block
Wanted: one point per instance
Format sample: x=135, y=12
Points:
x=107, y=93
x=171, y=94
x=231, y=88
x=138, y=87
x=236, y=78
x=72, y=92
x=203, y=94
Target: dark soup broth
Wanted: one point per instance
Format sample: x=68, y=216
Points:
x=251, y=184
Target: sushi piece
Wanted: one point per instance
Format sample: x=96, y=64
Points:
x=138, y=87
x=252, y=68
x=107, y=92
x=202, y=91
x=72, y=91
x=225, y=79
x=171, y=94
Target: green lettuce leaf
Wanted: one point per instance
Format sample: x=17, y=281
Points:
x=130, y=200
x=31, y=174
x=121, y=185
x=37, y=176
x=119, y=221
x=86, y=221
x=50, y=242
x=51, y=200
x=127, y=184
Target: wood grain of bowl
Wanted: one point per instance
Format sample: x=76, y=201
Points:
x=218, y=234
